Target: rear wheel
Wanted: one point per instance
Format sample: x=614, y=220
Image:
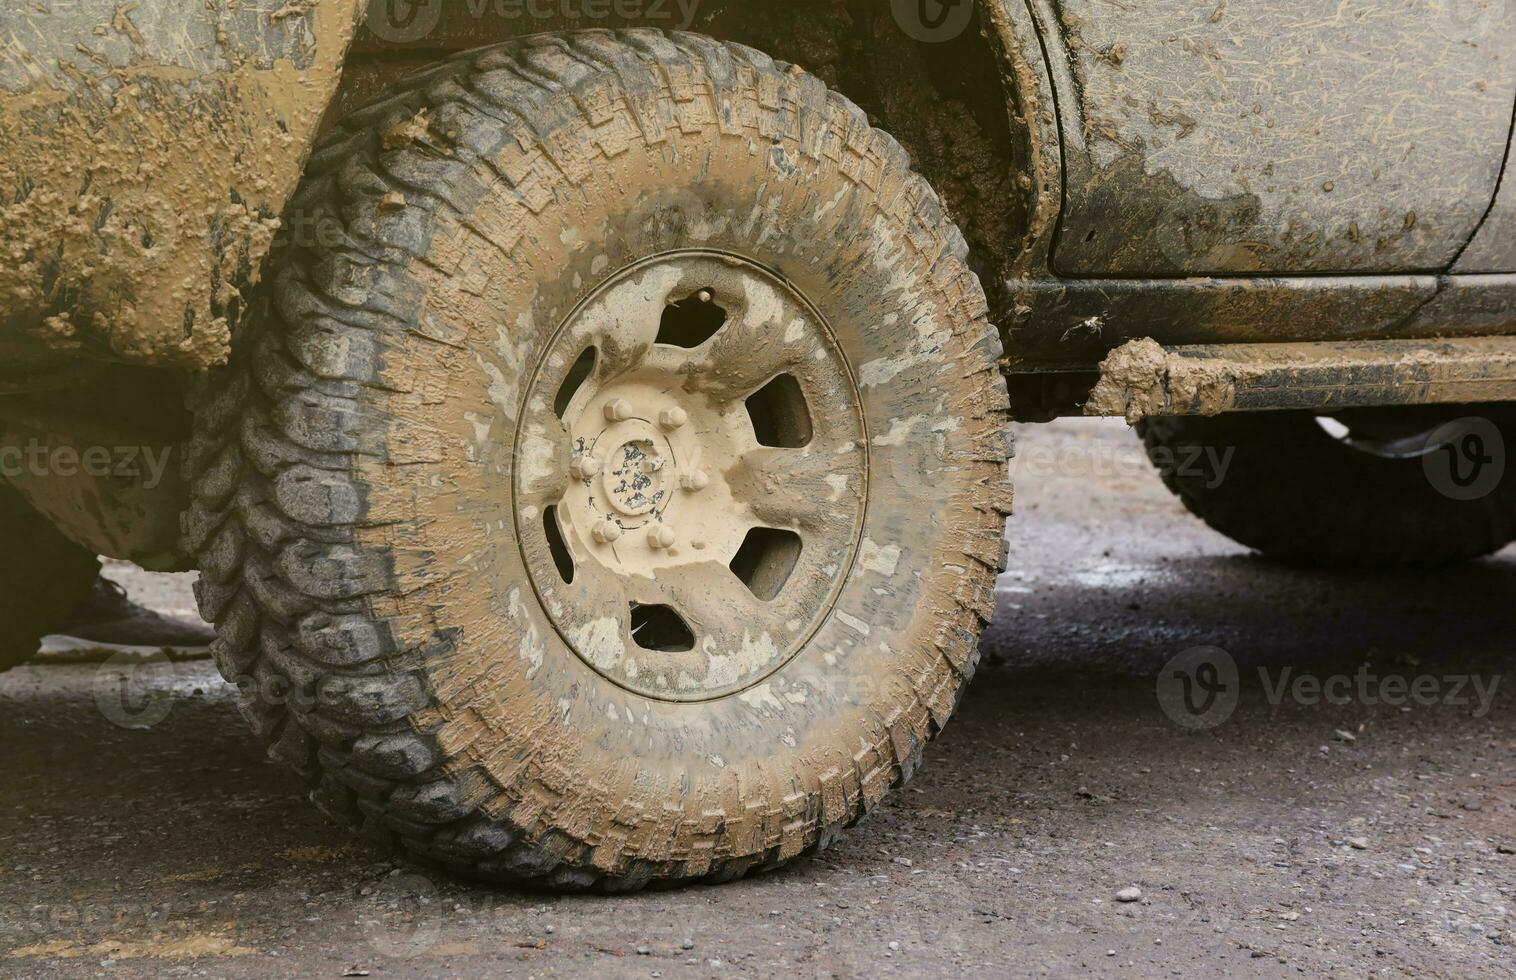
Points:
x=1363, y=488
x=620, y=498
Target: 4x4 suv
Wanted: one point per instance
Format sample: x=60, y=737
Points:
x=594, y=428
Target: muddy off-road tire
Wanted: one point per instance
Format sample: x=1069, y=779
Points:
x=44, y=578
x=1283, y=484
x=614, y=489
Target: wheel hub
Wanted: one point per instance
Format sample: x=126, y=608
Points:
x=635, y=481
x=692, y=476
x=637, y=486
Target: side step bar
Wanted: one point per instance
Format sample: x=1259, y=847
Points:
x=1142, y=378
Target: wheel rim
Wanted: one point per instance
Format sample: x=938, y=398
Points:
x=691, y=476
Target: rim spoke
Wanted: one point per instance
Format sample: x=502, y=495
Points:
x=717, y=607
x=809, y=488
x=623, y=324
x=600, y=615
x=546, y=455
x=754, y=346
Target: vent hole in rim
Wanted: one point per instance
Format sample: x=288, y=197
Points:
x=766, y=560
x=660, y=629
x=691, y=322
x=561, y=557
x=781, y=418
x=577, y=376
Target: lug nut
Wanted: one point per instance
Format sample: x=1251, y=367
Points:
x=661, y=537
x=584, y=467
x=674, y=418
x=607, y=532
x=618, y=410
x=695, y=482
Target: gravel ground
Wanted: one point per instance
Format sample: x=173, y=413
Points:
x=1065, y=822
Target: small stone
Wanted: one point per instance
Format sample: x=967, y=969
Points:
x=1358, y=843
x=687, y=944
x=1129, y=894
x=903, y=862
x=1505, y=849
x=1345, y=736
x=894, y=947
x=550, y=930
x=644, y=951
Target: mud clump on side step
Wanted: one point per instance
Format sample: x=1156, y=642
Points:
x=1140, y=379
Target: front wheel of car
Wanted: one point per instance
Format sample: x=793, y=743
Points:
x=613, y=491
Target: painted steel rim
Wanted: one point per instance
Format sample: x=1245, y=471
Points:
x=691, y=475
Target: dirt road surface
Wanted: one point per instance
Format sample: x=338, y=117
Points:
x=143, y=833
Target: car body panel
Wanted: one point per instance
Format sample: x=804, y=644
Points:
x=148, y=150
x=1493, y=248
x=1277, y=136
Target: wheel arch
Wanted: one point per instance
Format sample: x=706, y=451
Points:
x=974, y=109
